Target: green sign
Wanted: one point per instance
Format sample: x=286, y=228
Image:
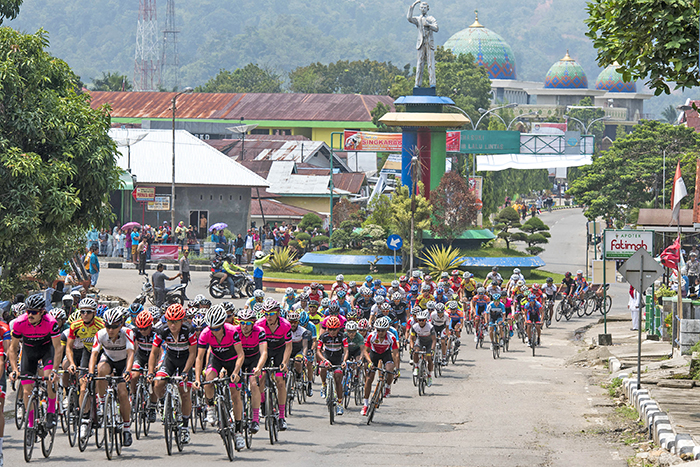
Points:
x=490, y=142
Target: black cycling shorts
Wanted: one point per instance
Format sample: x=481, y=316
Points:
x=172, y=366
x=354, y=352
x=31, y=356
x=141, y=360
x=250, y=363
x=297, y=347
x=336, y=358
x=424, y=342
x=375, y=358
x=118, y=367
x=275, y=357
x=217, y=364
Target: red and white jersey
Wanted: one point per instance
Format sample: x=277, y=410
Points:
x=381, y=345
x=116, y=349
x=339, y=286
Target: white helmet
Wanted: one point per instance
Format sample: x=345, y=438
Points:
x=351, y=326
x=87, y=303
x=216, y=316
x=382, y=323
x=516, y=271
x=423, y=314
x=112, y=316
x=289, y=291
x=340, y=277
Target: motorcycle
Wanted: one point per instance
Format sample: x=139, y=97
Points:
x=173, y=294
x=242, y=284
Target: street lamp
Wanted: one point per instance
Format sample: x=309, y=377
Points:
x=583, y=125
x=519, y=117
x=465, y=114
x=485, y=112
x=187, y=90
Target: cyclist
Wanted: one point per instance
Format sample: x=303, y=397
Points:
x=332, y=349
x=258, y=297
x=363, y=328
x=479, y=303
x=352, y=291
x=279, y=350
x=429, y=281
x=323, y=309
x=333, y=310
x=415, y=279
x=301, y=337
x=315, y=293
x=255, y=351
x=412, y=296
x=117, y=346
x=365, y=302
x=439, y=319
x=423, y=338
x=456, y=318
x=290, y=298
x=493, y=288
x=400, y=310
x=229, y=308
x=493, y=275
x=517, y=272
x=403, y=283
x=369, y=282
x=143, y=338
x=533, y=311
x=339, y=285
x=395, y=287
x=68, y=304
x=538, y=292
x=455, y=281
x=550, y=291
x=226, y=354
x=581, y=284
x=441, y=296
x=302, y=303
x=39, y=334
x=304, y=322
x=315, y=317
x=567, y=285
x=496, y=310
x=467, y=288
x=181, y=344
x=344, y=305
x=377, y=286
x=444, y=281
x=380, y=346
x=134, y=309
x=355, y=341
x=425, y=296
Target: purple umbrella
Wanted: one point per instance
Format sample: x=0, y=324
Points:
x=130, y=225
x=218, y=226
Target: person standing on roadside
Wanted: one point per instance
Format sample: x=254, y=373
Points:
x=249, y=246
x=94, y=266
x=185, y=267
x=633, y=306
x=135, y=239
x=238, y=246
x=142, y=252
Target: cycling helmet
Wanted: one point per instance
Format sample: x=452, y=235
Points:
x=36, y=302
x=199, y=321
x=414, y=289
x=206, y=303
x=314, y=285
x=521, y=283
x=246, y=314
x=321, y=287
x=303, y=318
x=75, y=316
x=307, y=290
x=381, y=292
x=289, y=291
x=423, y=314
x=334, y=308
x=452, y=305
x=101, y=310
x=496, y=296
x=382, y=323
x=481, y=290
x=428, y=278
x=215, y=317
x=313, y=303
x=369, y=279
x=444, y=274
x=516, y=271
x=465, y=275
x=67, y=299
x=76, y=295
x=18, y=309
x=379, y=299
x=440, y=307
x=351, y=326
x=416, y=309
x=430, y=305
x=363, y=325
x=153, y=310
x=229, y=307
x=455, y=272
x=199, y=297
x=113, y=316
x=135, y=309
x=426, y=287
x=536, y=286
x=365, y=290
x=58, y=313
x=579, y=273
x=259, y=293
x=532, y=297
x=333, y=323
x=396, y=296
x=156, y=312
x=377, y=282
x=352, y=284
x=303, y=297
x=385, y=307
x=259, y=254
x=567, y=274
x=270, y=304
x=494, y=269
x=494, y=282
x=550, y=280
x=218, y=251
x=293, y=316
x=191, y=312
x=395, y=284
x=325, y=302
x=416, y=273
x=258, y=309
x=144, y=320
x=340, y=277
x=515, y=278
x=175, y=312
x=341, y=293
x=354, y=314
x=439, y=290
x=403, y=279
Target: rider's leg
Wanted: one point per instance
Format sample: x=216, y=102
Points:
x=338, y=377
x=282, y=391
x=185, y=396
x=124, y=406
x=255, y=397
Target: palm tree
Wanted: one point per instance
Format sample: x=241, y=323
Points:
x=669, y=114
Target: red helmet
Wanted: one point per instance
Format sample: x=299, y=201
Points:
x=455, y=272
x=144, y=319
x=333, y=323
x=175, y=312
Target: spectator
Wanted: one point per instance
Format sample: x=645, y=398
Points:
x=203, y=226
x=633, y=306
x=249, y=246
x=181, y=234
x=127, y=245
x=185, y=267
x=119, y=240
x=142, y=250
x=102, y=237
x=92, y=238
x=135, y=239
x=149, y=241
x=238, y=246
x=158, y=280
x=94, y=266
x=192, y=243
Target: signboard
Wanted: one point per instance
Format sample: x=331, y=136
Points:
x=549, y=128
x=160, y=252
x=394, y=242
x=477, y=184
x=144, y=193
x=387, y=142
x=160, y=203
x=610, y=270
x=641, y=270
x=622, y=244
x=392, y=166
x=490, y=142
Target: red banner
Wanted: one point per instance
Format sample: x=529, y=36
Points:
x=453, y=141
x=387, y=142
x=159, y=252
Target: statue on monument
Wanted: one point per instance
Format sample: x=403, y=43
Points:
x=425, y=46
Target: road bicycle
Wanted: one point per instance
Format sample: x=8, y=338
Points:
x=226, y=423
x=353, y=386
x=564, y=310
x=421, y=380
x=247, y=408
x=140, y=405
x=112, y=423
x=520, y=326
x=533, y=338
x=496, y=346
x=19, y=407
x=437, y=361
x=199, y=410
x=478, y=333
x=291, y=386
x=172, y=412
x=378, y=394
x=90, y=418
x=272, y=409
x=549, y=311
x=331, y=399
x=37, y=418
x=596, y=303
x=72, y=412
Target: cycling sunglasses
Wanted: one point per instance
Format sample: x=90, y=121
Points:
x=293, y=320
x=270, y=313
x=113, y=326
x=247, y=323
x=84, y=312
x=33, y=312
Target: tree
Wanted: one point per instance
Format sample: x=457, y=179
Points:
x=454, y=207
x=630, y=173
x=250, y=78
x=401, y=220
x=57, y=161
x=504, y=222
x=380, y=209
x=510, y=182
x=9, y=9
x=649, y=39
x=368, y=77
x=310, y=221
x=111, y=82
x=669, y=114
x=537, y=235
x=344, y=210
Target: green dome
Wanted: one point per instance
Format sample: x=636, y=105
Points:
x=488, y=48
x=610, y=80
x=566, y=74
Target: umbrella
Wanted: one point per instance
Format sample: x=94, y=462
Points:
x=130, y=225
x=218, y=226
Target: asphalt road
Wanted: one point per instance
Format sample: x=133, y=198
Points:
x=519, y=410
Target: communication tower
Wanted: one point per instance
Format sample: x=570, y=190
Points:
x=169, y=60
x=146, y=64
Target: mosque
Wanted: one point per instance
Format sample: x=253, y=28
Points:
x=565, y=84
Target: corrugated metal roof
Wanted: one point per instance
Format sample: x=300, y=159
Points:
x=275, y=208
x=284, y=181
x=662, y=217
x=283, y=106
x=299, y=151
x=350, y=182
x=196, y=162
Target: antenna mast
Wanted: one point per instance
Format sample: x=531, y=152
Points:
x=169, y=60
x=146, y=66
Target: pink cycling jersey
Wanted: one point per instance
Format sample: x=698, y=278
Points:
x=277, y=339
x=35, y=335
x=251, y=343
x=223, y=350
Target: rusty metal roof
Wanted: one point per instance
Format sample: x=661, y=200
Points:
x=350, y=182
x=662, y=217
x=219, y=106
x=274, y=208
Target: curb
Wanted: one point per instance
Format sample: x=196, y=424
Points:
x=656, y=422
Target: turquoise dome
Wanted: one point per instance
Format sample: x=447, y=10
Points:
x=566, y=74
x=488, y=48
x=610, y=80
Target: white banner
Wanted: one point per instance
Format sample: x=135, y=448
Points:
x=621, y=244
x=498, y=162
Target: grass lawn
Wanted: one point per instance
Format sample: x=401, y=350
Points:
x=479, y=253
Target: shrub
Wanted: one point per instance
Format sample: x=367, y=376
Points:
x=319, y=239
x=439, y=259
x=310, y=221
x=283, y=260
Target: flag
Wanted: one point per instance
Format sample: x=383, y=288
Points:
x=671, y=256
x=679, y=192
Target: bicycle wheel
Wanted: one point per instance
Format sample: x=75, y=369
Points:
x=506, y=342
x=196, y=408
x=608, y=305
x=60, y=411
x=72, y=415
x=330, y=396
x=560, y=311
x=118, y=430
x=301, y=388
x=533, y=338
x=168, y=421
x=494, y=349
x=19, y=409
x=359, y=389
x=579, y=306
x=176, y=421
x=415, y=378
x=98, y=432
x=550, y=310
x=225, y=427
x=438, y=364
x=421, y=378
x=247, y=418
x=85, y=414
x=291, y=387
x=136, y=417
x=270, y=420
x=346, y=389
x=30, y=433
x=108, y=425
x=374, y=402
x=590, y=306
x=49, y=436
x=276, y=411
